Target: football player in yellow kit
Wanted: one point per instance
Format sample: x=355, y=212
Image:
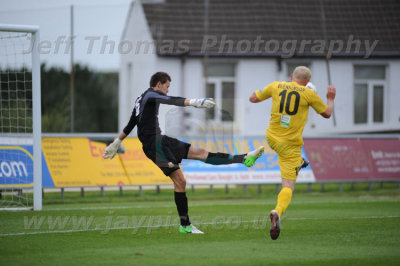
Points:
x=290, y=105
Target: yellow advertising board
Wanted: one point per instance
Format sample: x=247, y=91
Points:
x=140, y=169
x=76, y=162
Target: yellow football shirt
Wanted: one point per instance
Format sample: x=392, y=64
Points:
x=290, y=105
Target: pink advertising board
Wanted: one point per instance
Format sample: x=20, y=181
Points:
x=354, y=159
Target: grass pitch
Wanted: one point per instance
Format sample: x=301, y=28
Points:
x=354, y=227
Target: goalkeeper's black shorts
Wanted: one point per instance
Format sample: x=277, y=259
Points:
x=166, y=152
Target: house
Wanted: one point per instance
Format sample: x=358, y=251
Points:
x=228, y=49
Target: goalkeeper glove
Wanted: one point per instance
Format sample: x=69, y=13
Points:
x=202, y=103
x=112, y=149
x=311, y=86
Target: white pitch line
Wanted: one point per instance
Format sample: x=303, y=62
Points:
x=119, y=228
x=205, y=223
x=200, y=204
x=101, y=208
x=342, y=218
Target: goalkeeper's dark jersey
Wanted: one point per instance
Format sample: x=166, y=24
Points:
x=145, y=113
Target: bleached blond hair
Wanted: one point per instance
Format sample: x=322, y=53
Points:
x=302, y=73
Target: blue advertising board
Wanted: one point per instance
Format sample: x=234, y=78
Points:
x=16, y=167
x=265, y=170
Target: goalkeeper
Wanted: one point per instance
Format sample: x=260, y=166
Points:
x=167, y=152
x=290, y=105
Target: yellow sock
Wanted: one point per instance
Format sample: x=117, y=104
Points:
x=284, y=198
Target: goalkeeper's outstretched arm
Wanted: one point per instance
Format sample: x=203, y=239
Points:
x=180, y=101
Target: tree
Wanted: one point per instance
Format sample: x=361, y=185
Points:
x=95, y=100
x=55, y=100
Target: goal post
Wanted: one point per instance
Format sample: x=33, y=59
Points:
x=10, y=58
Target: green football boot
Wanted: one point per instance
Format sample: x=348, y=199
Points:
x=190, y=229
x=252, y=156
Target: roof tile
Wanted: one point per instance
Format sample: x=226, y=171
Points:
x=282, y=21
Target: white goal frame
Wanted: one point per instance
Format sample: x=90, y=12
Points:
x=36, y=112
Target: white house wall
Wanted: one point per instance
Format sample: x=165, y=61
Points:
x=252, y=75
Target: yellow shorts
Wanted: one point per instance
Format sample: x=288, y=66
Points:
x=289, y=158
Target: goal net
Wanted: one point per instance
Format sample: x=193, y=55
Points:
x=20, y=121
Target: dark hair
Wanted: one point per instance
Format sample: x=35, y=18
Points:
x=159, y=76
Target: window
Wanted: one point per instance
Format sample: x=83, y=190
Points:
x=369, y=92
x=221, y=70
x=228, y=101
x=360, y=103
x=378, y=103
x=210, y=93
x=223, y=91
x=221, y=86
